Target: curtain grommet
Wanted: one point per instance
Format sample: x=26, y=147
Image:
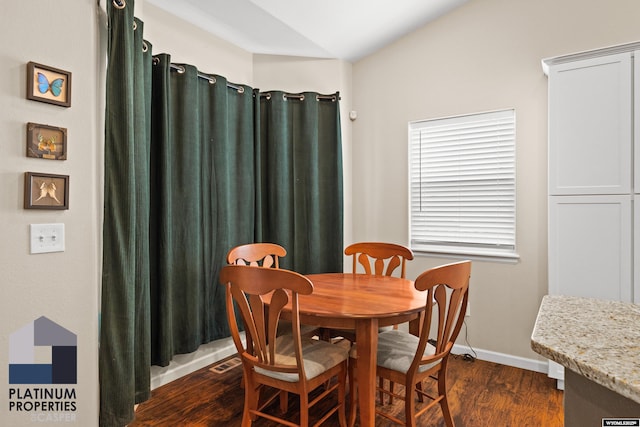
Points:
x=119, y=4
x=181, y=69
x=241, y=90
x=145, y=47
x=298, y=96
x=332, y=98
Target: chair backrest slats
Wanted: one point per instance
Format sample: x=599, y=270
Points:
x=257, y=254
x=372, y=257
x=447, y=289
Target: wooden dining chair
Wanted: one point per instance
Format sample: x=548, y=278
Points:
x=257, y=254
x=409, y=360
x=266, y=255
x=374, y=258
x=379, y=258
x=288, y=363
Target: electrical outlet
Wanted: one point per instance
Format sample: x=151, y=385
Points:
x=47, y=238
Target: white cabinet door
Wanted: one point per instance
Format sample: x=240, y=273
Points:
x=636, y=126
x=590, y=241
x=590, y=129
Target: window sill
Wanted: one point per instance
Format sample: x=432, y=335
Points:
x=468, y=253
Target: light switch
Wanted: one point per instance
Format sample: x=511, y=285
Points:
x=47, y=238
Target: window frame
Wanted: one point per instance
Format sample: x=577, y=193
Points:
x=455, y=247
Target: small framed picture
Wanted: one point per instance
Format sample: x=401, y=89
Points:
x=48, y=84
x=46, y=191
x=46, y=142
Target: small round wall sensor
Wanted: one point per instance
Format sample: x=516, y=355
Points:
x=353, y=115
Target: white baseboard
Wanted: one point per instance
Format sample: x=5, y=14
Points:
x=184, y=364
x=213, y=352
x=503, y=359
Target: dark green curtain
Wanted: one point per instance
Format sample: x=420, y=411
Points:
x=124, y=356
x=299, y=150
x=202, y=202
x=195, y=165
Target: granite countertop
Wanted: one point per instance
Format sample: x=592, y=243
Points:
x=597, y=339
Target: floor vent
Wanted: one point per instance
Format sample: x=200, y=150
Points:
x=224, y=365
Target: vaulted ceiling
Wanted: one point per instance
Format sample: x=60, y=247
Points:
x=342, y=29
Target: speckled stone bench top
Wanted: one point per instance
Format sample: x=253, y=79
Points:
x=597, y=339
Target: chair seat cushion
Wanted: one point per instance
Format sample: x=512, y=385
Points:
x=318, y=357
x=284, y=327
x=396, y=350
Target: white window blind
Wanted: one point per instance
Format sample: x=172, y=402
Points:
x=462, y=173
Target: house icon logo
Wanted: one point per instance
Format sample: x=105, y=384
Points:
x=43, y=352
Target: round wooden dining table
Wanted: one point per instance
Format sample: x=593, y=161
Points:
x=362, y=303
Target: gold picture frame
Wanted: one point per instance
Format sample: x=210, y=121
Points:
x=48, y=84
x=46, y=191
x=46, y=142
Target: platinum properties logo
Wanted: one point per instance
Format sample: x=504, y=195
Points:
x=43, y=352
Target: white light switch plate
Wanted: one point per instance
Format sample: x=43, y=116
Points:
x=47, y=238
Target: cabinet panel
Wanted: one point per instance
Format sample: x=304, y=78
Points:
x=636, y=123
x=556, y=371
x=590, y=126
x=590, y=246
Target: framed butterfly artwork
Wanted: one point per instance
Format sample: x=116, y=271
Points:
x=48, y=84
x=46, y=191
x=46, y=142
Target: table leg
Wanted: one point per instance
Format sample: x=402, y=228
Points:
x=416, y=324
x=366, y=345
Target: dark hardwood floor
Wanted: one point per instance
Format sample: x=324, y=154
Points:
x=480, y=394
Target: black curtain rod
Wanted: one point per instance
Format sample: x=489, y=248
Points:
x=211, y=79
x=300, y=96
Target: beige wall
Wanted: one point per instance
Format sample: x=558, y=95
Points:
x=61, y=286
x=484, y=56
